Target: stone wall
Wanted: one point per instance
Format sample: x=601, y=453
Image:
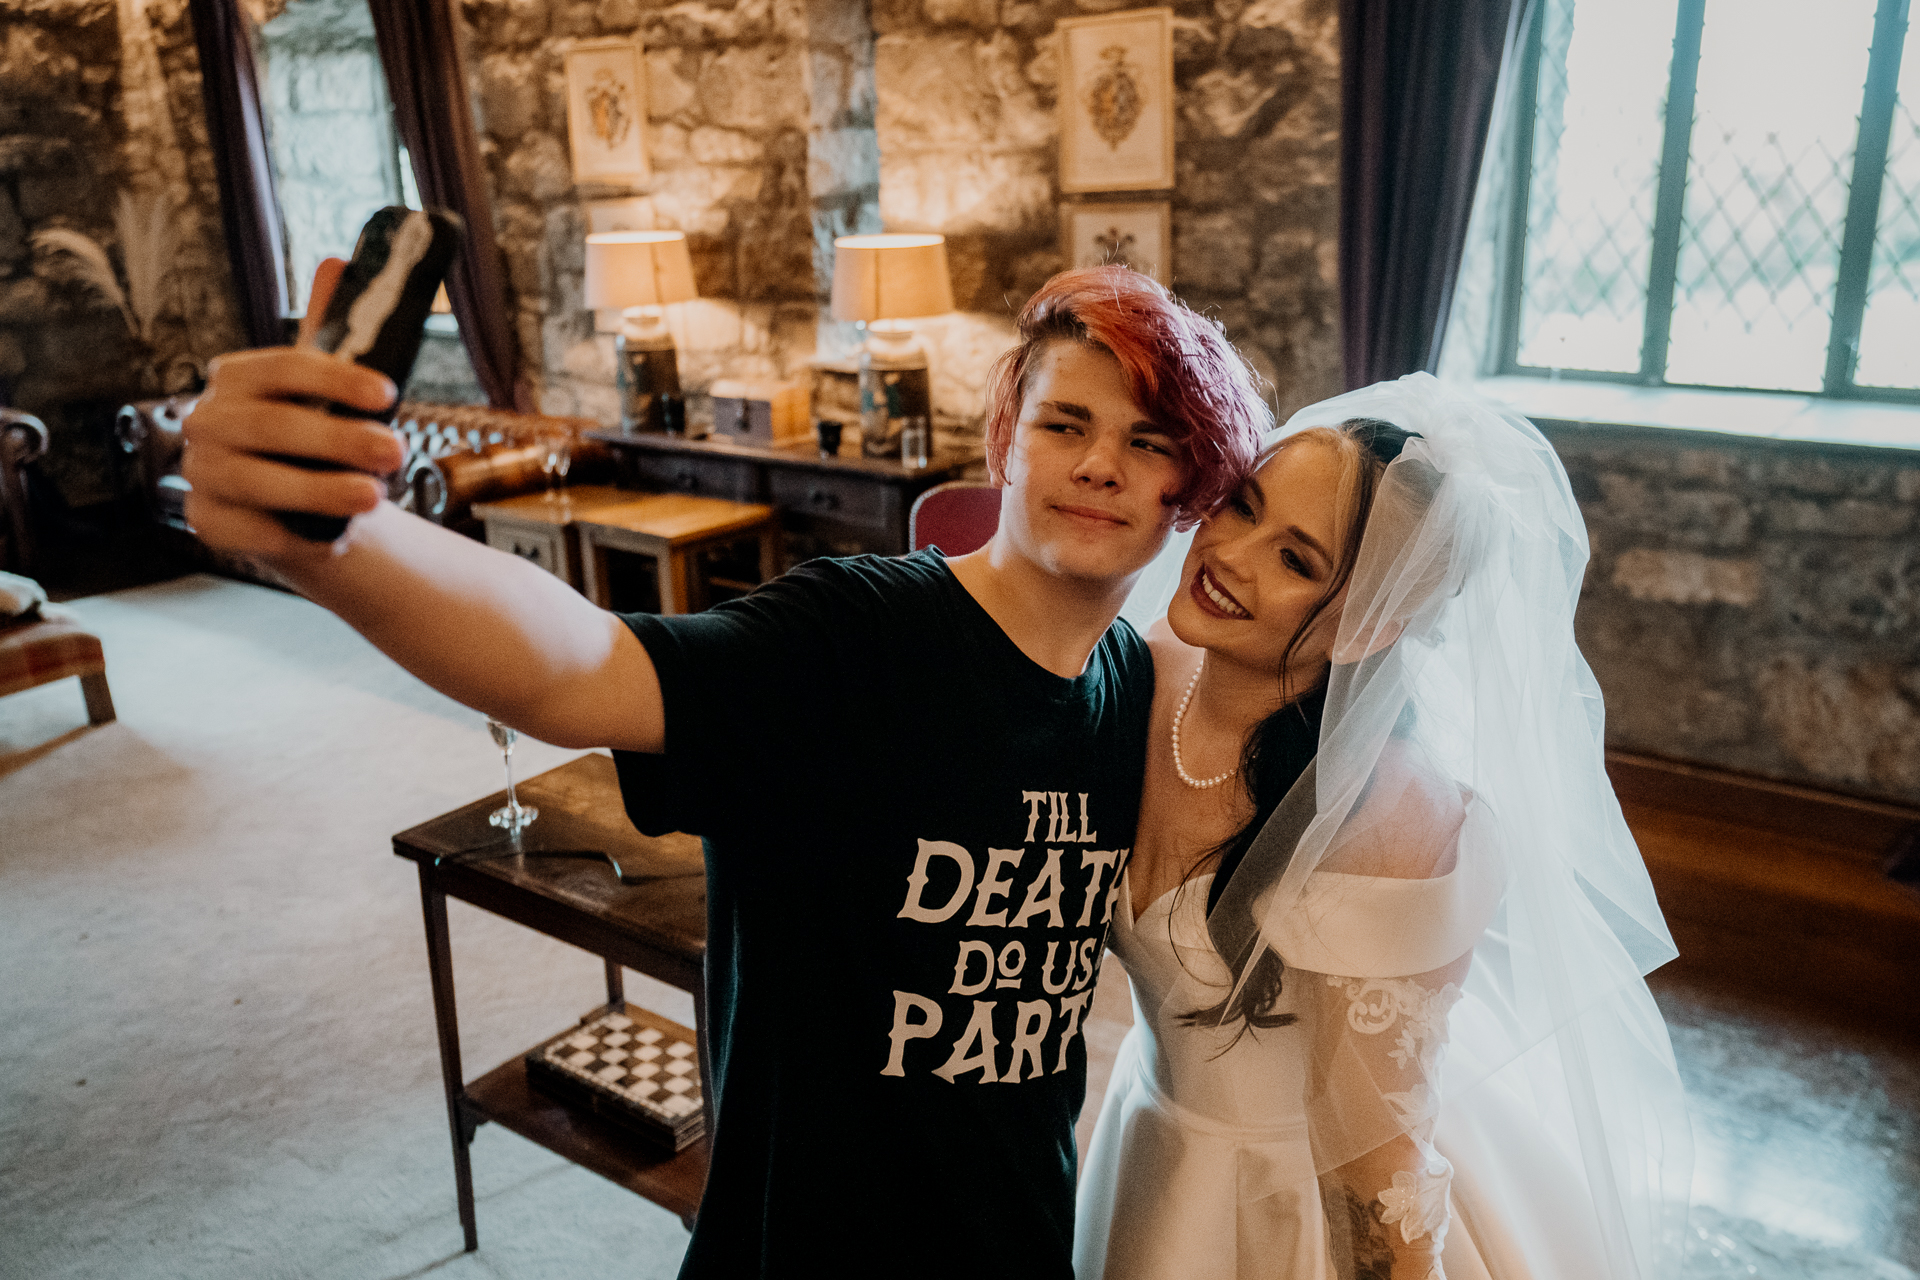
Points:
x=99, y=99
x=775, y=125
x=843, y=146
x=729, y=119
x=1754, y=604
x=968, y=142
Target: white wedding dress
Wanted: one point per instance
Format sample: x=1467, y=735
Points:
x=1478, y=1080
x=1200, y=1166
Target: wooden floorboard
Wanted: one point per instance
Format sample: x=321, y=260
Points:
x=1780, y=890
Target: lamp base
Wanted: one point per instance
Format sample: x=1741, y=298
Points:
x=648, y=368
x=896, y=396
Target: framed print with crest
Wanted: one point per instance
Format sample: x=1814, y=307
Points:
x=1116, y=101
x=1135, y=235
x=607, y=112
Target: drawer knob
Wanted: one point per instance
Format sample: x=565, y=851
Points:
x=686, y=481
x=823, y=500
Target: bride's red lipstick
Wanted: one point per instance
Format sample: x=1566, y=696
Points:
x=1208, y=605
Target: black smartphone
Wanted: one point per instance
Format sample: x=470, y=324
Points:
x=376, y=317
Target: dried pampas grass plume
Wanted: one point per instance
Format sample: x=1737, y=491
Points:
x=89, y=265
x=147, y=245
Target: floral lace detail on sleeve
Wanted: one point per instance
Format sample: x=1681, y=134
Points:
x=1418, y=1200
x=1415, y=1199
x=1375, y=1004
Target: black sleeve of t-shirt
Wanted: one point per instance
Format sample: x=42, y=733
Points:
x=755, y=693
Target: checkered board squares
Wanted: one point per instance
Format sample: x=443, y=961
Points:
x=630, y=1066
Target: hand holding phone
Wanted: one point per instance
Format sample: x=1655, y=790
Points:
x=375, y=318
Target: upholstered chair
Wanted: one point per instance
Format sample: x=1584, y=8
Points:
x=23, y=440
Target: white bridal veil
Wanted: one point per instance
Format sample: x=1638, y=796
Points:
x=1451, y=883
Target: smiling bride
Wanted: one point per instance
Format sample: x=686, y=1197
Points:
x=1385, y=928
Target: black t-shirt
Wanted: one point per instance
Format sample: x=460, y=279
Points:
x=914, y=841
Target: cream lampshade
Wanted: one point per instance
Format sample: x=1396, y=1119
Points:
x=893, y=277
x=638, y=269
x=882, y=281
x=641, y=273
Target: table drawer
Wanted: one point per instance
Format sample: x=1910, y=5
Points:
x=840, y=500
x=545, y=547
x=707, y=477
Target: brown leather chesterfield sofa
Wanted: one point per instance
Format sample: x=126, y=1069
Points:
x=456, y=455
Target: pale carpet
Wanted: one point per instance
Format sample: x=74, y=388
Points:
x=217, y=1055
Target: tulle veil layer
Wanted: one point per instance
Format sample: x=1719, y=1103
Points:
x=1463, y=736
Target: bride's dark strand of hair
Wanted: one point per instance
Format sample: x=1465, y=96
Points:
x=1282, y=745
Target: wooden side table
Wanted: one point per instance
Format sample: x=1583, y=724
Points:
x=656, y=927
x=541, y=530
x=670, y=528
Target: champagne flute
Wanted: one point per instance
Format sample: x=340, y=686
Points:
x=513, y=816
x=556, y=458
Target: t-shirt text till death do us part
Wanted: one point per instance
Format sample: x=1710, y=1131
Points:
x=914, y=836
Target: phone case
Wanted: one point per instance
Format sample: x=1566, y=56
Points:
x=376, y=317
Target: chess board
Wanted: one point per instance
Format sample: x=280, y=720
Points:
x=630, y=1066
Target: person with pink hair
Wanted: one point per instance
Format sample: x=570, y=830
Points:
x=917, y=778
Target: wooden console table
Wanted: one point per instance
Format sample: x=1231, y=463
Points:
x=828, y=506
x=657, y=927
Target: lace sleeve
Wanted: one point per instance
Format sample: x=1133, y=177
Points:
x=1383, y=1039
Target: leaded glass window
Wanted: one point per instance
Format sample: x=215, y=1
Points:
x=1717, y=193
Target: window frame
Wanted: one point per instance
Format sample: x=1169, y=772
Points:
x=1879, y=98
x=399, y=175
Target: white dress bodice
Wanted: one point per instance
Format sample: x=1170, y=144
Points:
x=1207, y=1070
x=1200, y=1167
x=1200, y=1162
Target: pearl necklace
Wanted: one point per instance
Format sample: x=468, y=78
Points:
x=1179, y=715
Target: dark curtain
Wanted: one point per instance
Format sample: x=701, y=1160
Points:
x=1416, y=94
x=249, y=209
x=428, y=85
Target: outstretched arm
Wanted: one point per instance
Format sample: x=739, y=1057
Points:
x=486, y=628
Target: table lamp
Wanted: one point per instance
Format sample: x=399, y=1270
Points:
x=641, y=273
x=884, y=281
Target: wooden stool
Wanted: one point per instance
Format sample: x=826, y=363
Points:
x=669, y=528
x=531, y=527
x=52, y=647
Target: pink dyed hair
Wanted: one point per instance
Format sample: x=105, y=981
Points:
x=1178, y=365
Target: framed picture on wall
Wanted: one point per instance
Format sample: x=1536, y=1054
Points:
x=1116, y=101
x=607, y=112
x=1135, y=235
